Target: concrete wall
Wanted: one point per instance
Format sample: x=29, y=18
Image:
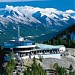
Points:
x=44, y=56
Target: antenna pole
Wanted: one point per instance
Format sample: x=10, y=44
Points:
x=18, y=32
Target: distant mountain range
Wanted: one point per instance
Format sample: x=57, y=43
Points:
x=36, y=24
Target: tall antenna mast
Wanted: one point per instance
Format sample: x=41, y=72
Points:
x=19, y=37
x=18, y=32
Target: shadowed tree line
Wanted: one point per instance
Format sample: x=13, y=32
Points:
x=64, y=71
x=1, y=60
x=64, y=38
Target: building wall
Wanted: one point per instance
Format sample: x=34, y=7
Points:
x=44, y=56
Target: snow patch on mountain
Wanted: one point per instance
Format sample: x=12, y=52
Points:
x=35, y=21
x=24, y=14
x=70, y=11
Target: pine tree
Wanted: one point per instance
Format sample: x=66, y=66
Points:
x=10, y=66
x=35, y=69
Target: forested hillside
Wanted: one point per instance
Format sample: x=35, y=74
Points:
x=66, y=38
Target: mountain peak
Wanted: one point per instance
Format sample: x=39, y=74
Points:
x=34, y=21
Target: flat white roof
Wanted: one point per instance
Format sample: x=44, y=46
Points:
x=26, y=46
x=45, y=46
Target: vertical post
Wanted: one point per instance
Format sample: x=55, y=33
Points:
x=18, y=32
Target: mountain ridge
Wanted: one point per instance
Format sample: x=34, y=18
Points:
x=34, y=21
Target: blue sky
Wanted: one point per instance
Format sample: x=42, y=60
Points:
x=20, y=0
x=58, y=4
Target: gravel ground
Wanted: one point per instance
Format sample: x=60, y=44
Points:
x=48, y=63
x=28, y=62
x=65, y=61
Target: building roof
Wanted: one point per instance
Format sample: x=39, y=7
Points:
x=45, y=46
x=17, y=44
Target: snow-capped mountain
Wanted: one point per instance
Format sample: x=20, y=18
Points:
x=34, y=22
